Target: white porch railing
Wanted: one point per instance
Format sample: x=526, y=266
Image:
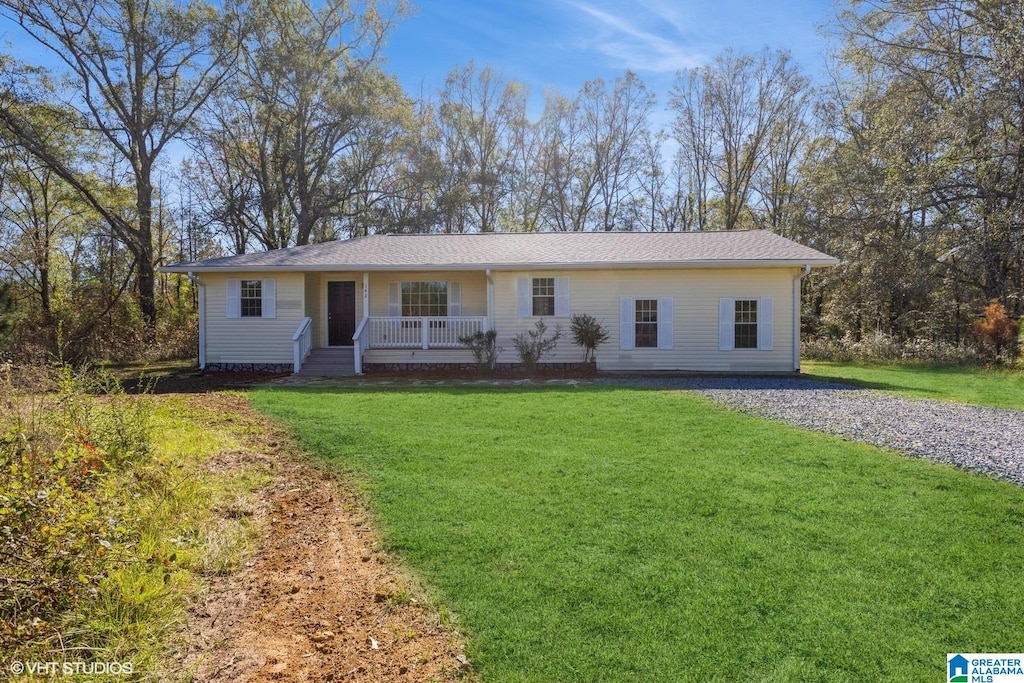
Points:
x=420, y=333
x=359, y=345
x=302, y=343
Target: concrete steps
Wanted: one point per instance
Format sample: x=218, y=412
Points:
x=329, y=362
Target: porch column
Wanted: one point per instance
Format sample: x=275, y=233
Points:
x=366, y=295
x=202, y=319
x=490, y=301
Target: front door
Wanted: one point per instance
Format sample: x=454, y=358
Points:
x=341, y=313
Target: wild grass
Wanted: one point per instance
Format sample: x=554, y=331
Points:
x=135, y=518
x=620, y=535
x=997, y=387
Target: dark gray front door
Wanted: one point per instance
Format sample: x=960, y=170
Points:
x=341, y=313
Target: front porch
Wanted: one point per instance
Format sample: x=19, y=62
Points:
x=392, y=317
x=383, y=333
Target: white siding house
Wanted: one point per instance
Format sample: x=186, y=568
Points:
x=695, y=302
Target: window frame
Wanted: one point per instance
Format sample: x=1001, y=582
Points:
x=410, y=299
x=645, y=329
x=250, y=298
x=745, y=329
x=542, y=304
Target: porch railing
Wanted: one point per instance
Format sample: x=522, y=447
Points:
x=302, y=343
x=420, y=333
x=359, y=345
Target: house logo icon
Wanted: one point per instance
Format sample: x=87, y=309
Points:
x=957, y=669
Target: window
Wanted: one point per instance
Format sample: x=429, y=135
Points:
x=424, y=299
x=252, y=298
x=543, y=296
x=746, y=324
x=646, y=323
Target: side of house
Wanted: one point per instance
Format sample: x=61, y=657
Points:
x=664, y=319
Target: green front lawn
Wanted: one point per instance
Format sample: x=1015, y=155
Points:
x=611, y=534
x=979, y=386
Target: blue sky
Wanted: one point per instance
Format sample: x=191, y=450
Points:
x=564, y=43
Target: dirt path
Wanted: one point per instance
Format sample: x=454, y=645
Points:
x=318, y=601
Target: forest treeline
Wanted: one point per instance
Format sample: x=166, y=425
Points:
x=157, y=132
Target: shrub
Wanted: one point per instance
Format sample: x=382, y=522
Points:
x=998, y=333
x=484, y=347
x=60, y=531
x=588, y=333
x=882, y=348
x=533, y=344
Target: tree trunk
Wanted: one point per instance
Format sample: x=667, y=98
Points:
x=146, y=280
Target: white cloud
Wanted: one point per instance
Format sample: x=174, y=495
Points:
x=632, y=46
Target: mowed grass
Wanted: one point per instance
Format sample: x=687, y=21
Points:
x=586, y=534
x=979, y=386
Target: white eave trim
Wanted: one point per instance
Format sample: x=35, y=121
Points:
x=578, y=265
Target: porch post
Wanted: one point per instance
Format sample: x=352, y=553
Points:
x=489, y=324
x=202, y=319
x=366, y=295
x=358, y=344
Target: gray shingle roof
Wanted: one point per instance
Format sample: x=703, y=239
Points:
x=509, y=251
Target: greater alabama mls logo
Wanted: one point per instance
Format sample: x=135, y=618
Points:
x=985, y=668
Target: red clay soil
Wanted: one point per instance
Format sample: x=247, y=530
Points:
x=318, y=601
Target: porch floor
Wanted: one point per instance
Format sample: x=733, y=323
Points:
x=337, y=361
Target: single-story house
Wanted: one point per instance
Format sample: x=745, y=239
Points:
x=688, y=301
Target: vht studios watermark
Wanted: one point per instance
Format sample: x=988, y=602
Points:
x=985, y=668
x=72, y=668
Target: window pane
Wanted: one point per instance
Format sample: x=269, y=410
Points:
x=646, y=323
x=252, y=299
x=746, y=336
x=746, y=311
x=543, y=296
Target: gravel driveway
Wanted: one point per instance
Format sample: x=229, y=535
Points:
x=988, y=440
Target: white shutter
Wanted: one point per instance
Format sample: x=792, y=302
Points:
x=765, y=323
x=394, y=299
x=665, y=313
x=233, y=298
x=269, y=305
x=726, y=324
x=524, y=286
x=454, y=299
x=627, y=324
x=561, y=297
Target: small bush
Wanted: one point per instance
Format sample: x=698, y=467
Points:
x=533, y=344
x=588, y=333
x=998, y=333
x=484, y=346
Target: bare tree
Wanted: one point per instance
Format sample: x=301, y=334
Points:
x=615, y=123
x=570, y=190
x=693, y=133
x=729, y=116
x=477, y=114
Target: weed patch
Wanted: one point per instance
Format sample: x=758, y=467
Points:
x=108, y=518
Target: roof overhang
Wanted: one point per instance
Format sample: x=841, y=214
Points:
x=441, y=267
